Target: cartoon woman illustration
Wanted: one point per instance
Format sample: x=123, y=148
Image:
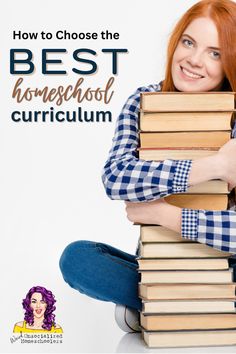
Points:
x=39, y=305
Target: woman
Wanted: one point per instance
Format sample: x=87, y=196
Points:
x=201, y=57
x=39, y=305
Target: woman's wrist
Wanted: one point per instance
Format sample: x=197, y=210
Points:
x=170, y=217
x=158, y=212
x=205, y=169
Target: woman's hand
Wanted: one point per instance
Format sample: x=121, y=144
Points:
x=221, y=165
x=158, y=212
x=227, y=162
x=145, y=213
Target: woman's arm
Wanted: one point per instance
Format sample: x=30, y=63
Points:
x=126, y=177
x=221, y=165
x=213, y=228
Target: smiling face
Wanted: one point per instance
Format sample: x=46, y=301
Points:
x=196, y=64
x=38, y=305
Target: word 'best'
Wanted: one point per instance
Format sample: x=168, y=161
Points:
x=30, y=67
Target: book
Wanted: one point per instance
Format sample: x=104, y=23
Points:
x=190, y=306
x=177, y=322
x=186, y=291
x=179, y=250
x=183, y=263
x=187, y=276
x=158, y=233
x=210, y=139
x=170, y=339
x=187, y=101
x=161, y=154
x=199, y=201
x=185, y=285
x=184, y=121
x=215, y=186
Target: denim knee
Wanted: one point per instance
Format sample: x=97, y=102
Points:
x=74, y=262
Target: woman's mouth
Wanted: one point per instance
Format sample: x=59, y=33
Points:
x=38, y=311
x=190, y=74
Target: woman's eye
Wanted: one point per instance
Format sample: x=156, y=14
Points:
x=187, y=42
x=215, y=55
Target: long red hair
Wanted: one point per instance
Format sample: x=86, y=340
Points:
x=223, y=13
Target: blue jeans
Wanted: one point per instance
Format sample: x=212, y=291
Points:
x=104, y=272
x=101, y=272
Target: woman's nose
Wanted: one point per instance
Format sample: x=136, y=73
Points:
x=196, y=59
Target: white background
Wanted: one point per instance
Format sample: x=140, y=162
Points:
x=50, y=184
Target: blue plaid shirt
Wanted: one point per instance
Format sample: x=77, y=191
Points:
x=126, y=177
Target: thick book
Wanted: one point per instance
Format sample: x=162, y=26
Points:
x=168, y=339
x=184, y=121
x=187, y=276
x=190, y=306
x=161, y=154
x=179, y=250
x=178, y=322
x=199, y=201
x=210, y=139
x=186, y=291
x=183, y=263
x=187, y=101
x=158, y=233
x=210, y=187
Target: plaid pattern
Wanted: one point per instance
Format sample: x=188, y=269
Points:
x=214, y=228
x=126, y=177
x=189, y=224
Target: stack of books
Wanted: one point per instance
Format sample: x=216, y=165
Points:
x=187, y=288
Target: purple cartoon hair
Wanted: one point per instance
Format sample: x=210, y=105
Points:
x=48, y=297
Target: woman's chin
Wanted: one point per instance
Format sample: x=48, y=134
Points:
x=186, y=87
